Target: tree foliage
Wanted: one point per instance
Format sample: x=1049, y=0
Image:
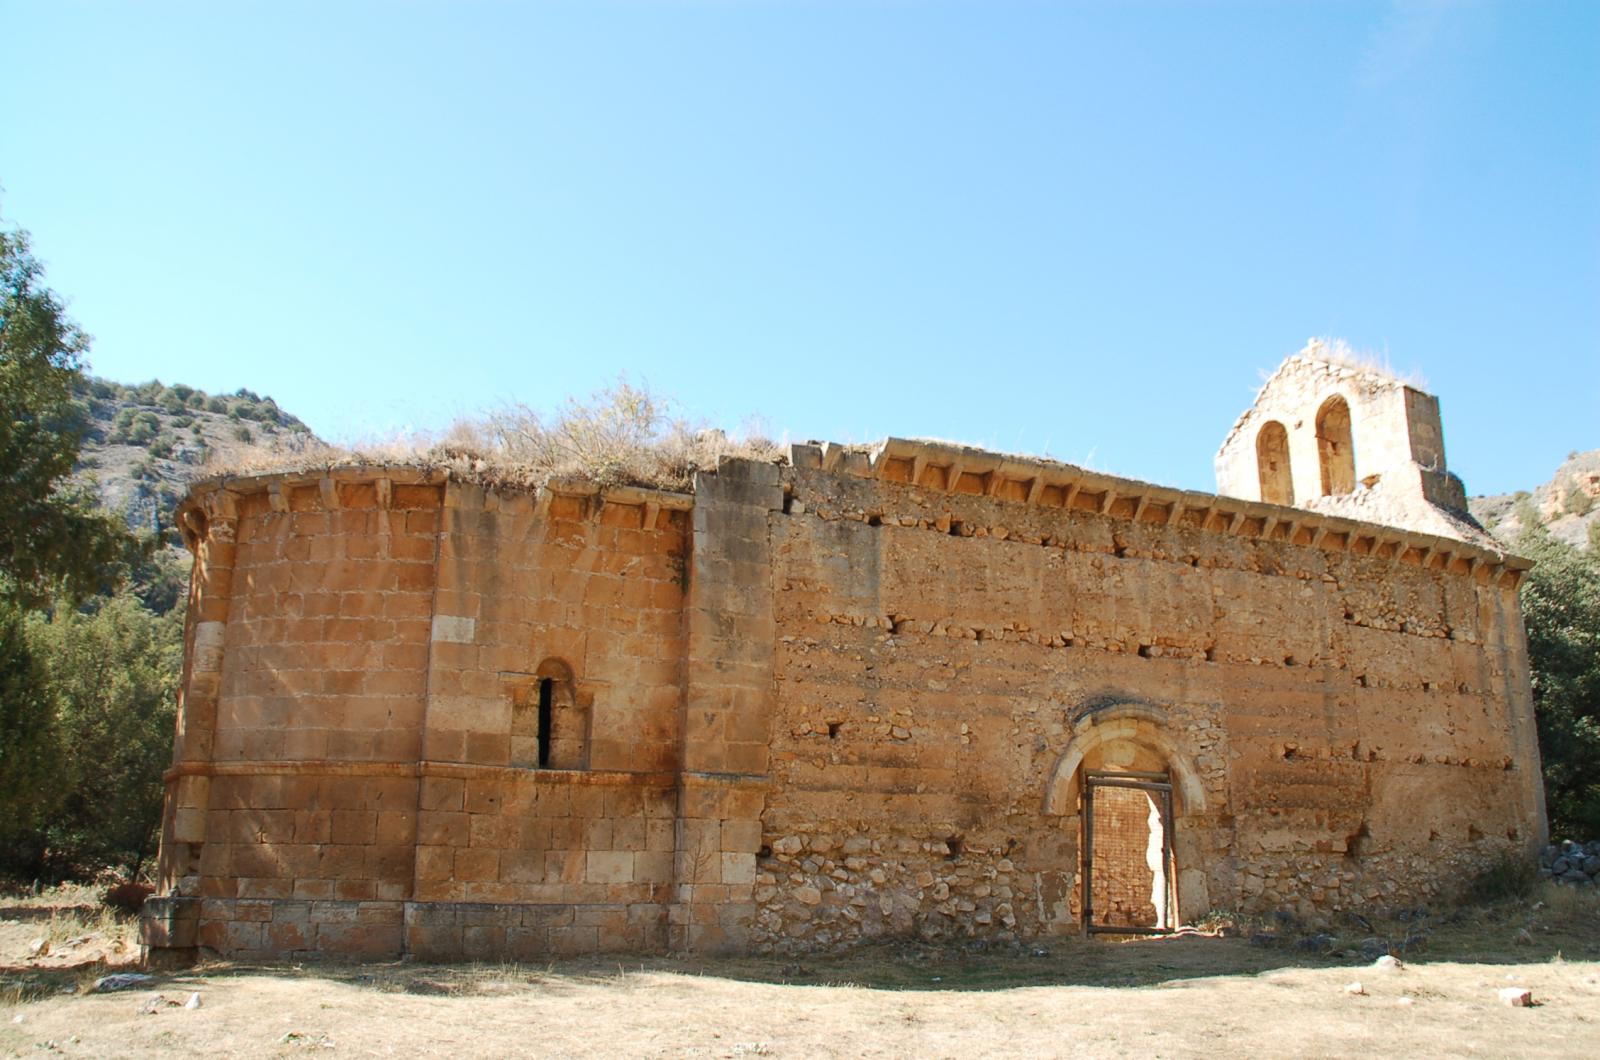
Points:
x=28, y=740
x=93, y=708
x=87, y=678
x=53, y=536
x=1561, y=609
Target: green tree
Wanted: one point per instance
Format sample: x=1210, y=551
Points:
x=29, y=749
x=112, y=675
x=53, y=537
x=1561, y=608
x=161, y=580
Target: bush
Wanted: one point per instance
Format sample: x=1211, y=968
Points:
x=1509, y=875
x=161, y=445
x=216, y=404
x=1578, y=502
x=1527, y=515
x=243, y=433
x=121, y=425
x=170, y=402
x=268, y=411
x=621, y=435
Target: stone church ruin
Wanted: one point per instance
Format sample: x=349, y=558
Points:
x=913, y=690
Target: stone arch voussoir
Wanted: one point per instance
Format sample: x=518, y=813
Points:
x=1106, y=719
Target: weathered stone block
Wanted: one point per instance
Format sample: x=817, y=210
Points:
x=609, y=866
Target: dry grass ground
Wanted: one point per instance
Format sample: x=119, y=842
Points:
x=1180, y=997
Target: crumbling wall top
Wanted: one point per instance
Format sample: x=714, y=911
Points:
x=1007, y=478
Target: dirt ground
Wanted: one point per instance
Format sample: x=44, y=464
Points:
x=1177, y=997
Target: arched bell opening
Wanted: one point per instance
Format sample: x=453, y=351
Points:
x=1336, y=450
x=1136, y=805
x=1272, y=464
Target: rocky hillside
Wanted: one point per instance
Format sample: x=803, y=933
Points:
x=146, y=442
x=1568, y=505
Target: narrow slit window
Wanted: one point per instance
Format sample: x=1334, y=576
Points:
x=546, y=715
x=549, y=718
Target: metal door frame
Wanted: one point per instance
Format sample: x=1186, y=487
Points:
x=1161, y=785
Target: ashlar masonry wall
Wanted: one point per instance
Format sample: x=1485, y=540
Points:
x=358, y=647
x=292, y=801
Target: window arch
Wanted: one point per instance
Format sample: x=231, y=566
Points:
x=1336, y=449
x=1272, y=464
x=549, y=721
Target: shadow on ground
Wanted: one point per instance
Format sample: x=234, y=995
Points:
x=1517, y=932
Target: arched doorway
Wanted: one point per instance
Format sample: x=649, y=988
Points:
x=1336, y=449
x=1136, y=804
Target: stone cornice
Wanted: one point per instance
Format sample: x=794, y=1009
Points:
x=216, y=498
x=960, y=470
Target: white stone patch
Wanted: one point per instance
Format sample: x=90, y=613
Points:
x=454, y=629
x=208, y=637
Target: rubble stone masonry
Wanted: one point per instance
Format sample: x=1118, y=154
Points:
x=805, y=705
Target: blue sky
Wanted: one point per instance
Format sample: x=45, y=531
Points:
x=1079, y=229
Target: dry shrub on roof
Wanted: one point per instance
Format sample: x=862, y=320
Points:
x=623, y=435
x=1340, y=352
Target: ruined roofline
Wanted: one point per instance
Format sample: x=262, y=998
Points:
x=952, y=469
x=421, y=475
x=488, y=476
x=217, y=495
x=1348, y=370
x=962, y=470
